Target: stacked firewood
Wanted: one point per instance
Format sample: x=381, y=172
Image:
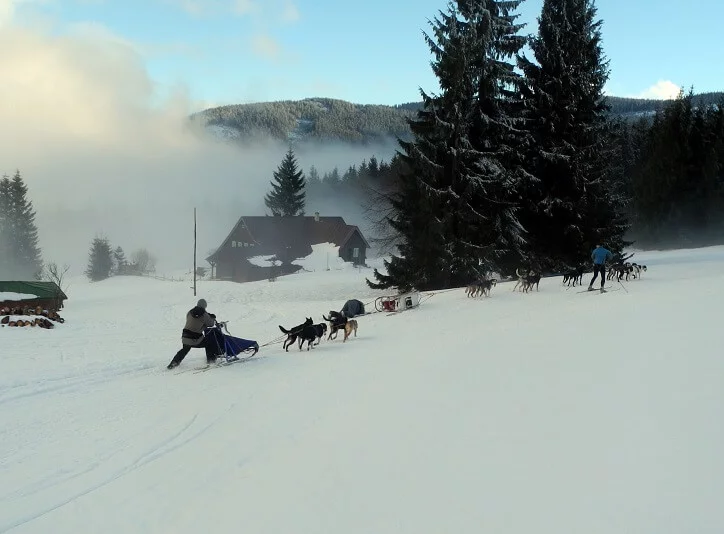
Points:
x=30, y=317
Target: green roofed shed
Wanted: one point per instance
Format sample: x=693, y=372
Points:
x=31, y=294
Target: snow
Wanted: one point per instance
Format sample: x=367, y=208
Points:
x=550, y=412
x=324, y=257
x=262, y=261
x=9, y=295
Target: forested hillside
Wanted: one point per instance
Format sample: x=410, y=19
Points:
x=327, y=119
x=313, y=119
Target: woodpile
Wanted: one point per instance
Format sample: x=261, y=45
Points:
x=21, y=317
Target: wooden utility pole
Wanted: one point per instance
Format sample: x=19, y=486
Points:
x=194, y=252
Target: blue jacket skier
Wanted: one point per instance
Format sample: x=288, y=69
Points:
x=599, y=256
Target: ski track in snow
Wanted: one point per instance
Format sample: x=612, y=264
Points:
x=179, y=439
x=518, y=413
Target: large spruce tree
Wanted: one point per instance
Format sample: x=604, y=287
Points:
x=5, y=227
x=25, y=240
x=19, y=249
x=575, y=202
x=455, y=207
x=287, y=196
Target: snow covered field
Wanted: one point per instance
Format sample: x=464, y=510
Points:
x=551, y=412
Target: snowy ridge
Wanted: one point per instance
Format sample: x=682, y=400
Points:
x=515, y=414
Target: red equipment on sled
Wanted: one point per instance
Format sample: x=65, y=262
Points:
x=397, y=303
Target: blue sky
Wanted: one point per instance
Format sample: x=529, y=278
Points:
x=229, y=51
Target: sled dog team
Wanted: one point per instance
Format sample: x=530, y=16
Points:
x=530, y=278
x=201, y=331
x=310, y=332
x=198, y=331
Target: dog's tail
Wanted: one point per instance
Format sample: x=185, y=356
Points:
x=284, y=330
x=326, y=318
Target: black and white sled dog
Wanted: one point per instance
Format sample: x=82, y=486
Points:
x=638, y=269
x=312, y=333
x=293, y=333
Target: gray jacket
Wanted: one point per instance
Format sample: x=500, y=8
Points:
x=193, y=332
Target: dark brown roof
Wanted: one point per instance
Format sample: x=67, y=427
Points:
x=274, y=234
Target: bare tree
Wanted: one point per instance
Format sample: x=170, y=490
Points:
x=53, y=273
x=143, y=262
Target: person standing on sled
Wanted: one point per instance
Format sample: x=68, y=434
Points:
x=599, y=256
x=192, y=336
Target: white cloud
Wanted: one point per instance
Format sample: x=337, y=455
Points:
x=77, y=117
x=290, y=13
x=101, y=152
x=192, y=7
x=661, y=90
x=200, y=8
x=7, y=11
x=265, y=46
x=245, y=7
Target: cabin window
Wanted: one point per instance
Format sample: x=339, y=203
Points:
x=355, y=252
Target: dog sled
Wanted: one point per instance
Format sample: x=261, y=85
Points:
x=398, y=303
x=229, y=347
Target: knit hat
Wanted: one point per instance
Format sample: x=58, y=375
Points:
x=201, y=303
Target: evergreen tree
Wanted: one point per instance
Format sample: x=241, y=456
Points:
x=332, y=178
x=455, y=210
x=575, y=203
x=313, y=177
x=287, y=196
x=350, y=176
x=373, y=168
x=100, y=260
x=120, y=263
x=678, y=176
x=19, y=232
x=5, y=228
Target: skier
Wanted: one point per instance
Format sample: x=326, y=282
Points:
x=192, y=336
x=599, y=257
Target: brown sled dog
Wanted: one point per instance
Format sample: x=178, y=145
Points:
x=349, y=327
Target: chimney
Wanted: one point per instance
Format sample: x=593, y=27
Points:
x=316, y=216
